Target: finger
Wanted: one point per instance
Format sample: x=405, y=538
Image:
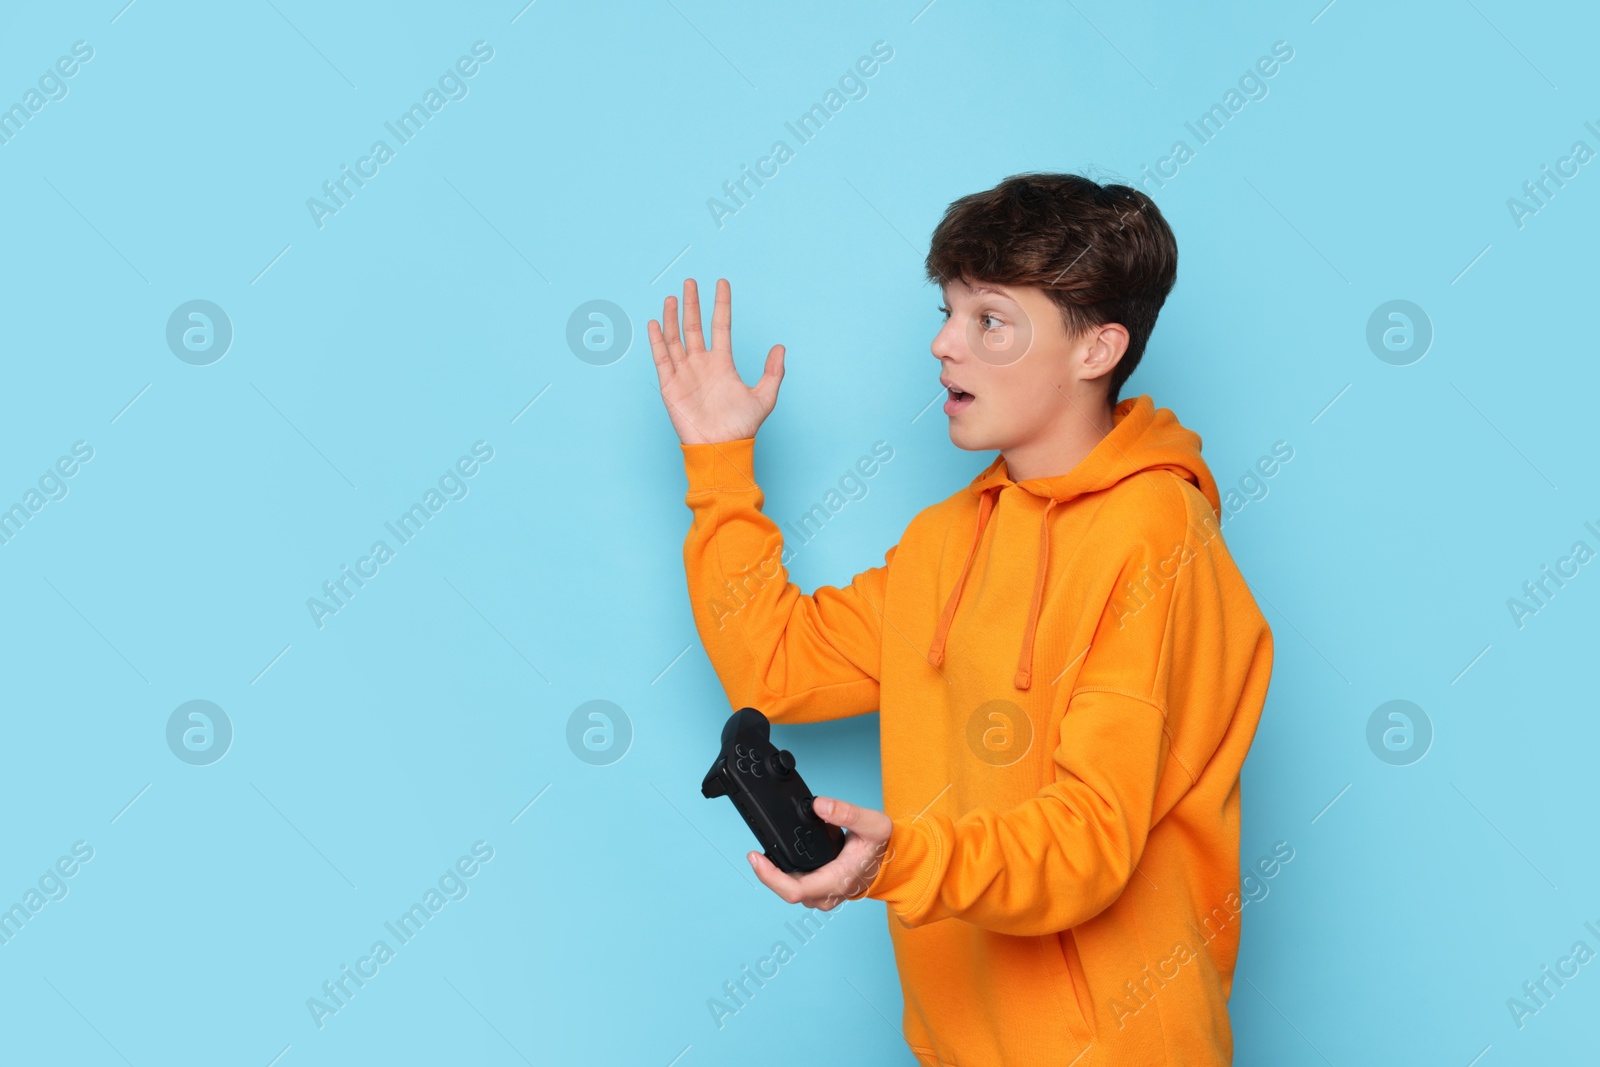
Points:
x=658, y=346
x=785, y=885
x=722, y=317
x=694, y=335
x=864, y=821
x=666, y=370
x=823, y=888
x=669, y=326
x=771, y=377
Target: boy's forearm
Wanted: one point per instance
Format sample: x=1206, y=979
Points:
x=727, y=536
x=797, y=658
x=1053, y=861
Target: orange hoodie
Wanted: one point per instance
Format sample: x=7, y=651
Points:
x=1069, y=672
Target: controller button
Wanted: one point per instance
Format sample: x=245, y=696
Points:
x=781, y=762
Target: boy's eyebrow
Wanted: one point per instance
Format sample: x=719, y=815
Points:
x=980, y=287
x=989, y=289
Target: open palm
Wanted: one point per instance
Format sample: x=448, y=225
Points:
x=706, y=399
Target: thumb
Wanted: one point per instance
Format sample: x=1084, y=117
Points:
x=771, y=376
x=864, y=821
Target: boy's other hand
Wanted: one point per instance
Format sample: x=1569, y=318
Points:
x=706, y=399
x=849, y=874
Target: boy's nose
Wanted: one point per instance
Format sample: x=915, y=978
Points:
x=946, y=345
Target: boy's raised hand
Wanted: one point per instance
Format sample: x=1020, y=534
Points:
x=706, y=399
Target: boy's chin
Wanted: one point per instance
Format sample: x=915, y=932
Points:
x=971, y=439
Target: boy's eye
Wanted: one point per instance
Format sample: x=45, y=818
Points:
x=987, y=319
x=945, y=310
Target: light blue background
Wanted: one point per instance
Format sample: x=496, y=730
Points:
x=371, y=353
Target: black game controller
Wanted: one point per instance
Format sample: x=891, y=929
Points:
x=771, y=795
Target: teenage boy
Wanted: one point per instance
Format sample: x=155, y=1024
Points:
x=1068, y=667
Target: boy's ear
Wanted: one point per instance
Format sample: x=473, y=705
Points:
x=1106, y=344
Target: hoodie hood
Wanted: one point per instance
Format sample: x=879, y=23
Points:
x=1143, y=438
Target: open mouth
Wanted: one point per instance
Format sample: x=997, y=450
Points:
x=957, y=400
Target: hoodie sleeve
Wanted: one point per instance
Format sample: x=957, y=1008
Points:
x=1064, y=855
x=794, y=657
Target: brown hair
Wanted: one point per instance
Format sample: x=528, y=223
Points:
x=1103, y=253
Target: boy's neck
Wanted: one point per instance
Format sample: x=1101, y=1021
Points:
x=1064, y=446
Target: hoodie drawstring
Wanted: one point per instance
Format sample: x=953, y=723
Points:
x=941, y=630
x=1024, y=676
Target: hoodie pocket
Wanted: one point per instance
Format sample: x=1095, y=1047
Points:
x=1070, y=986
